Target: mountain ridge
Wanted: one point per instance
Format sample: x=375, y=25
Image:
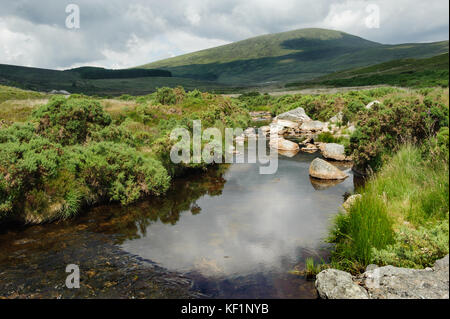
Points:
x=293, y=55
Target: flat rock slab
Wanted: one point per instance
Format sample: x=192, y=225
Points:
x=323, y=170
x=296, y=115
x=312, y=126
x=283, y=144
x=386, y=282
x=338, y=284
x=391, y=282
x=334, y=151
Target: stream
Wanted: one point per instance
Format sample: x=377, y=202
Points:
x=228, y=232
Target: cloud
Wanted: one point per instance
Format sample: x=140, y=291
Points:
x=116, y=33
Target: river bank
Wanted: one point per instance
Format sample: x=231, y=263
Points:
x=234, y=233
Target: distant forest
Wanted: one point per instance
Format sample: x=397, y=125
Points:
x=101, y=73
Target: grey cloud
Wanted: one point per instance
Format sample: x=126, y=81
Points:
x=127, y=33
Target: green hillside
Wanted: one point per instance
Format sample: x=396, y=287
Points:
x=85, y=80
x=427, y=72
x=275, y=59
x=295, y=55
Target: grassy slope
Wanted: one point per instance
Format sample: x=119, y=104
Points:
x=427, y=72
x=46, y=80
x=17, y=104
x=283, y=57
x=295, y=55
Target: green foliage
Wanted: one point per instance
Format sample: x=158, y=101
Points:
x=71, y=153
x=398, y=120
x=24, y=166
x=416, y=248
x=420, y=73
x=117, y=172
x=194, y=94
x=166, y=96
x=10, y=93
x=327, y=137
x=68, y=121
x=366, y=226
x=410, y=195
x=298, y=55
x=312, y=268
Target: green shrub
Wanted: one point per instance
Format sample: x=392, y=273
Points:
x=328, y=137
x=69, y=121
x=117, y=172
x=385, y=127
x=24, y=166
x=415, y=248
x=168, y=96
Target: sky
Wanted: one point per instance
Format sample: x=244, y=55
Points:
x=128, y=33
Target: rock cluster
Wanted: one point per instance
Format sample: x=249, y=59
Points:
x=296, y=123
x=386, y=282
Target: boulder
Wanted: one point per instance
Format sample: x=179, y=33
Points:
x=320, y=145
x=351, y=129
x=323, y=170
x=337, y=284
x=391, y=282
x=387, y=282
x=249, y=131
x=350, y=201
x=441, y=264
x=337, y=118
x=307, y=140
x=287, y=123
x=296, y=115
x=283, y=144
x=264, y=129
x=260, y=116
x=240, y=140
x=334, y=151
x=369, y=106
x=64, y=92
x=310, y=148
x=276, y=129
x=312, y=126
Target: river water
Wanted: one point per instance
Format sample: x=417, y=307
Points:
x=233, y=232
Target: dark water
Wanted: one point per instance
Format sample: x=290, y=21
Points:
x=234, y=232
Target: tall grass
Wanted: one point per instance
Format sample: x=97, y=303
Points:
x=366, y=226
x=402, y=217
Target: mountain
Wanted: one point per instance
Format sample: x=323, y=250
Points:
x=426, y=72
x=290, y=56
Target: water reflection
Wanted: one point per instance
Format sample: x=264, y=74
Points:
x=133, y=222
x=257, y=225
x=236, y=232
